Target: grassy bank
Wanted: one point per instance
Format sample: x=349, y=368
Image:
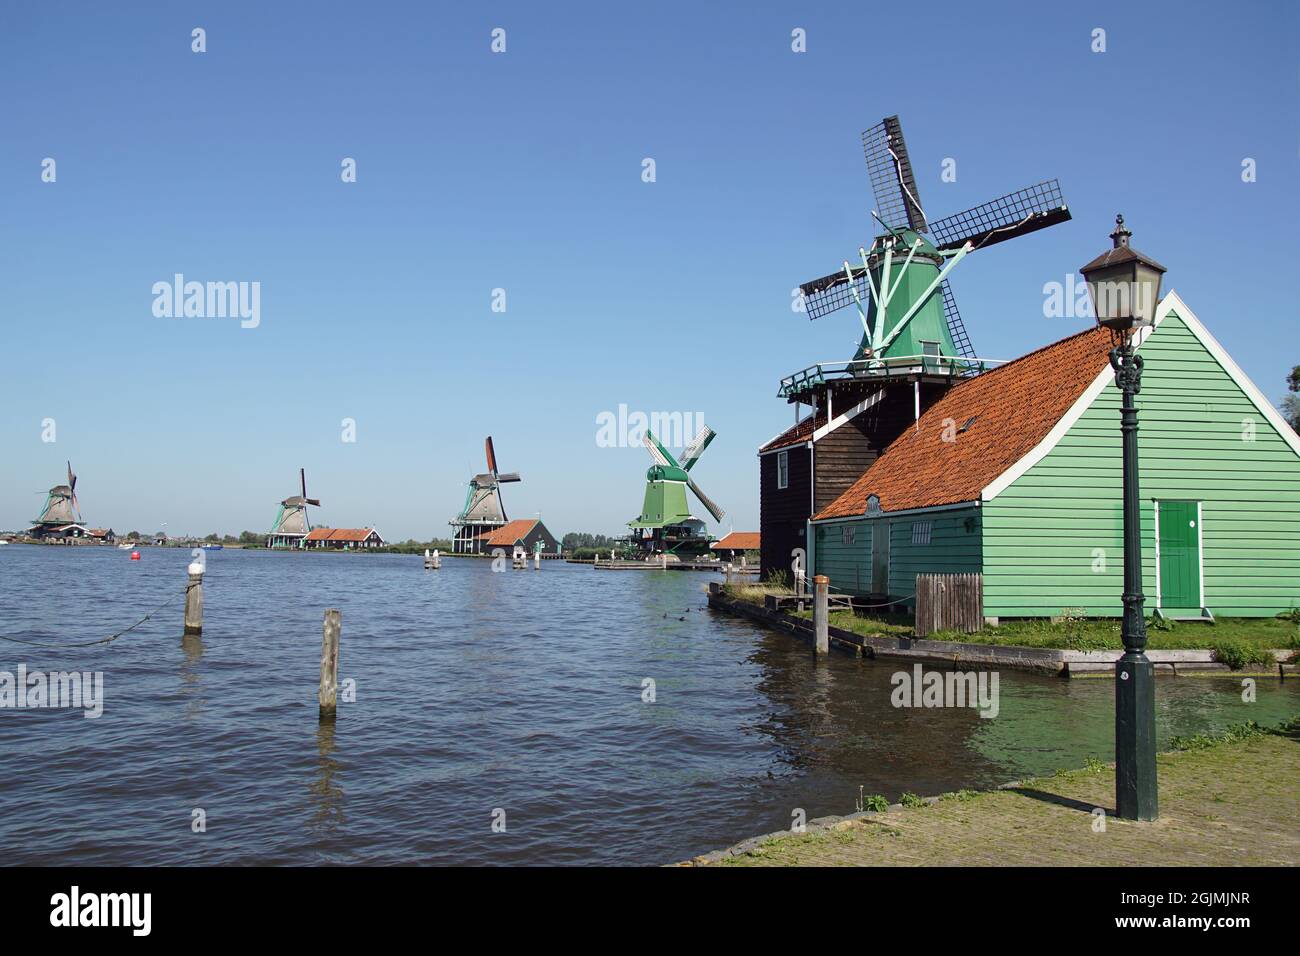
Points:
x=1229, y=800
x=1236, y=641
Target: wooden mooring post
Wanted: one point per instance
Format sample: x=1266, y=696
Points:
x=329, y=663
x=194, y=600
x=821, y=614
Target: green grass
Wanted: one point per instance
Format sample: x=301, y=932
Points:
x=1237, y=641
x=876, y=625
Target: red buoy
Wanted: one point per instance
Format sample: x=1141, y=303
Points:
x=135, y=555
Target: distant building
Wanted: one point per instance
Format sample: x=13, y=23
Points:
x=102, y=535
x=344, y=539
x=528, y=533
x=733, y=546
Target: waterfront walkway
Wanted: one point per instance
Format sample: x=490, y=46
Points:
x=1231, y=804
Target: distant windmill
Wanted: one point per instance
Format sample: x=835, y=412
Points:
x=60, y=510
x=483, y=510
x=291, y=523
x=666, y=523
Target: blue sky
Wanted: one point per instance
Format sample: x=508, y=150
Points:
x=522, y=171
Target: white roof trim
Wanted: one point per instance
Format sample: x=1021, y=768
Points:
x=856, y=410
x=1040, y=451
x=1266, y=408
x=782, y=432
x=1170, y=302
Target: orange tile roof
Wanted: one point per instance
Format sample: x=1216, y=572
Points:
x=1013, y=406
x=737, y=541
x=510, y=532
x=796, y=434
x=339, y=534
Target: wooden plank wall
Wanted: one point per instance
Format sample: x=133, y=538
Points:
x=949, y=602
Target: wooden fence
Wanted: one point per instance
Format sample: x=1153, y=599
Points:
x=949, y=602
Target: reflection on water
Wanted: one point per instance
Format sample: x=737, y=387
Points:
x=475, y=690
x=326, y=793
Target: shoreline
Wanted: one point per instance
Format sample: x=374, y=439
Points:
x=1214, y=812
x=1042, y=660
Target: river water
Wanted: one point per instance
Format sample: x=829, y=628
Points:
x=512, y=697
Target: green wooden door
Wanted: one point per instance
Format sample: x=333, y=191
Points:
x=1180, y=556
x=880, y=558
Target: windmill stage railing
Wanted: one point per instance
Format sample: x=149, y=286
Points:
x=896, y=366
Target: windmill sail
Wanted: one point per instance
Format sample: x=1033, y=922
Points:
x=1015, y=214
x=696, y=448
x=897, y=199
x=718, y=513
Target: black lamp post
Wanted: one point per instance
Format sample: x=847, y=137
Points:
x=1125, y=287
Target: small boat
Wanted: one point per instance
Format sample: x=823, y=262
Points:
x=125, y=547
x=213, y=547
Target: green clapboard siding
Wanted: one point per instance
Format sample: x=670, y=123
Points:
x=954, y=548
x=1053, y=543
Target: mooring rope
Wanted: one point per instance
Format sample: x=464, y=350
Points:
x=102, y=640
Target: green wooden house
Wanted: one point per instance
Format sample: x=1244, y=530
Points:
x=1015, y=474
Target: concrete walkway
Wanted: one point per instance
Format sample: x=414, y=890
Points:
x=1234, y=804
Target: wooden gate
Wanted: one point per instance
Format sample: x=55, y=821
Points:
x=949, y=602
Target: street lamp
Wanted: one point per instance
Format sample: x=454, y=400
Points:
x=1125, y=288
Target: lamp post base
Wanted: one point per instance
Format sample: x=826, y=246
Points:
x=1135, y=737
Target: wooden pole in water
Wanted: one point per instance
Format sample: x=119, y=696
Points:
x=329, y=663
x=194, y=600
x=821, y=615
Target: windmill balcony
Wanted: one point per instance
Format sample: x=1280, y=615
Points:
x=892, y=367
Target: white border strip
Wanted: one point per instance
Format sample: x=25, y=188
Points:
x=868, y=402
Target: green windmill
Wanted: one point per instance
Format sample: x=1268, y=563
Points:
x=900, y=288
x=666, y=523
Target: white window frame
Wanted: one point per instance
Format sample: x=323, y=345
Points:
x=922, y=532
x=783, y=469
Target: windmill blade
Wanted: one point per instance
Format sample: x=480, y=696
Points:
x=508, y=476
x=657, y=451
x=897, y=199
x=1015, y=214
x=831, y=293
x=302, y=473
x=491, y=455
x=72, y=478
x=956, y=328
x=718, y=513
x=696, y=448
x=312, y=501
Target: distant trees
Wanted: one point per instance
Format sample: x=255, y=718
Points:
x=583, y=539
x=250, y=537
x=1291, y=403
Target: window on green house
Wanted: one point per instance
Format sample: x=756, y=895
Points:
x=921, y=531
x=847, y=533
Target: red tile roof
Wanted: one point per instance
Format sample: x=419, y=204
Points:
x=796, y=434
x=1013, y=407
x=737, y=541
x=510, y=532
x=339, y=534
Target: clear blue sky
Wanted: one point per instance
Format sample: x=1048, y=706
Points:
x=522, y=171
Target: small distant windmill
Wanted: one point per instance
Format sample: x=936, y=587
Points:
x=291, y=523
x=60, y=510
x=909, y=310
x=483, y=510
x=666, y=523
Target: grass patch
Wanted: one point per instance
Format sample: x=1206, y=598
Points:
x=867, y=625
x=1238, y=652
x=1241, y=639
x=1232, y=734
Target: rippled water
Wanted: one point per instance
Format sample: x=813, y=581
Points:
x=477, y=691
